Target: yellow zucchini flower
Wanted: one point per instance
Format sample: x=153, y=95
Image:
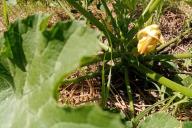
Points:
x=149, y=37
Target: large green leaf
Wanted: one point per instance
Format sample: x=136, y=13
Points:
x=160, y=120
x=41, y=58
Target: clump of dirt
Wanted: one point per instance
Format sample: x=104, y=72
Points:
x=87, y=90
x=185, y=114
x=80, y=93
x=2, y=26
x=184, y=46
x=172, y=23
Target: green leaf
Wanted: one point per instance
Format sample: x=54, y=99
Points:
x=5, y=78
x=43, y=58
x=187, y=63
x=160, y=120
x=131, y=4
x=187, y=124
x=187, y=81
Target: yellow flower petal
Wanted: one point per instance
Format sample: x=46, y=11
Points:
x=148, y=38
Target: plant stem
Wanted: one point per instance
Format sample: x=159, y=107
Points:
x=161, y=47
x=108, y=84
x=5, y=13
x=167, y=57
x=166, y=106
x=81, y=78
x=105, y=47
x=111, y=17
x=103, y=85
x=92, y=19
x=89, y=75
x=173, y=40
x=129, y=92
x=97, y=58
x=137, y=119
x=162, y=80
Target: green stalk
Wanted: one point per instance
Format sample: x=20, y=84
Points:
x=108, y=84
x=105, y=89
x=111, y=17
x=98, y=58
x=176, y=104
x=162, y=92
x=5, y=13
x=166, y=106
x=92, y=19
x=161, y=47
x=85, y=4
x=65, y=7
x=81, y=78
x=184, y=100
x=151, y=7
x=138, y=118
x=129, y=92
x=162, y=80
x=103, y=85
x=106, y=48
x=167, y=57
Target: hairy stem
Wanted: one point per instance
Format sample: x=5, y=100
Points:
x=5, y=13
x=162, y=80
x=167, y=57
x=129, y=92
x=81, y=78
x=173, y=40
x=98, y=58
x=137, y=119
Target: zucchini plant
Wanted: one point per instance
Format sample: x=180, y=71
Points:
x=35, y=59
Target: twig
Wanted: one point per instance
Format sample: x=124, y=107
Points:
x=173, y=40
x=167, y=57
